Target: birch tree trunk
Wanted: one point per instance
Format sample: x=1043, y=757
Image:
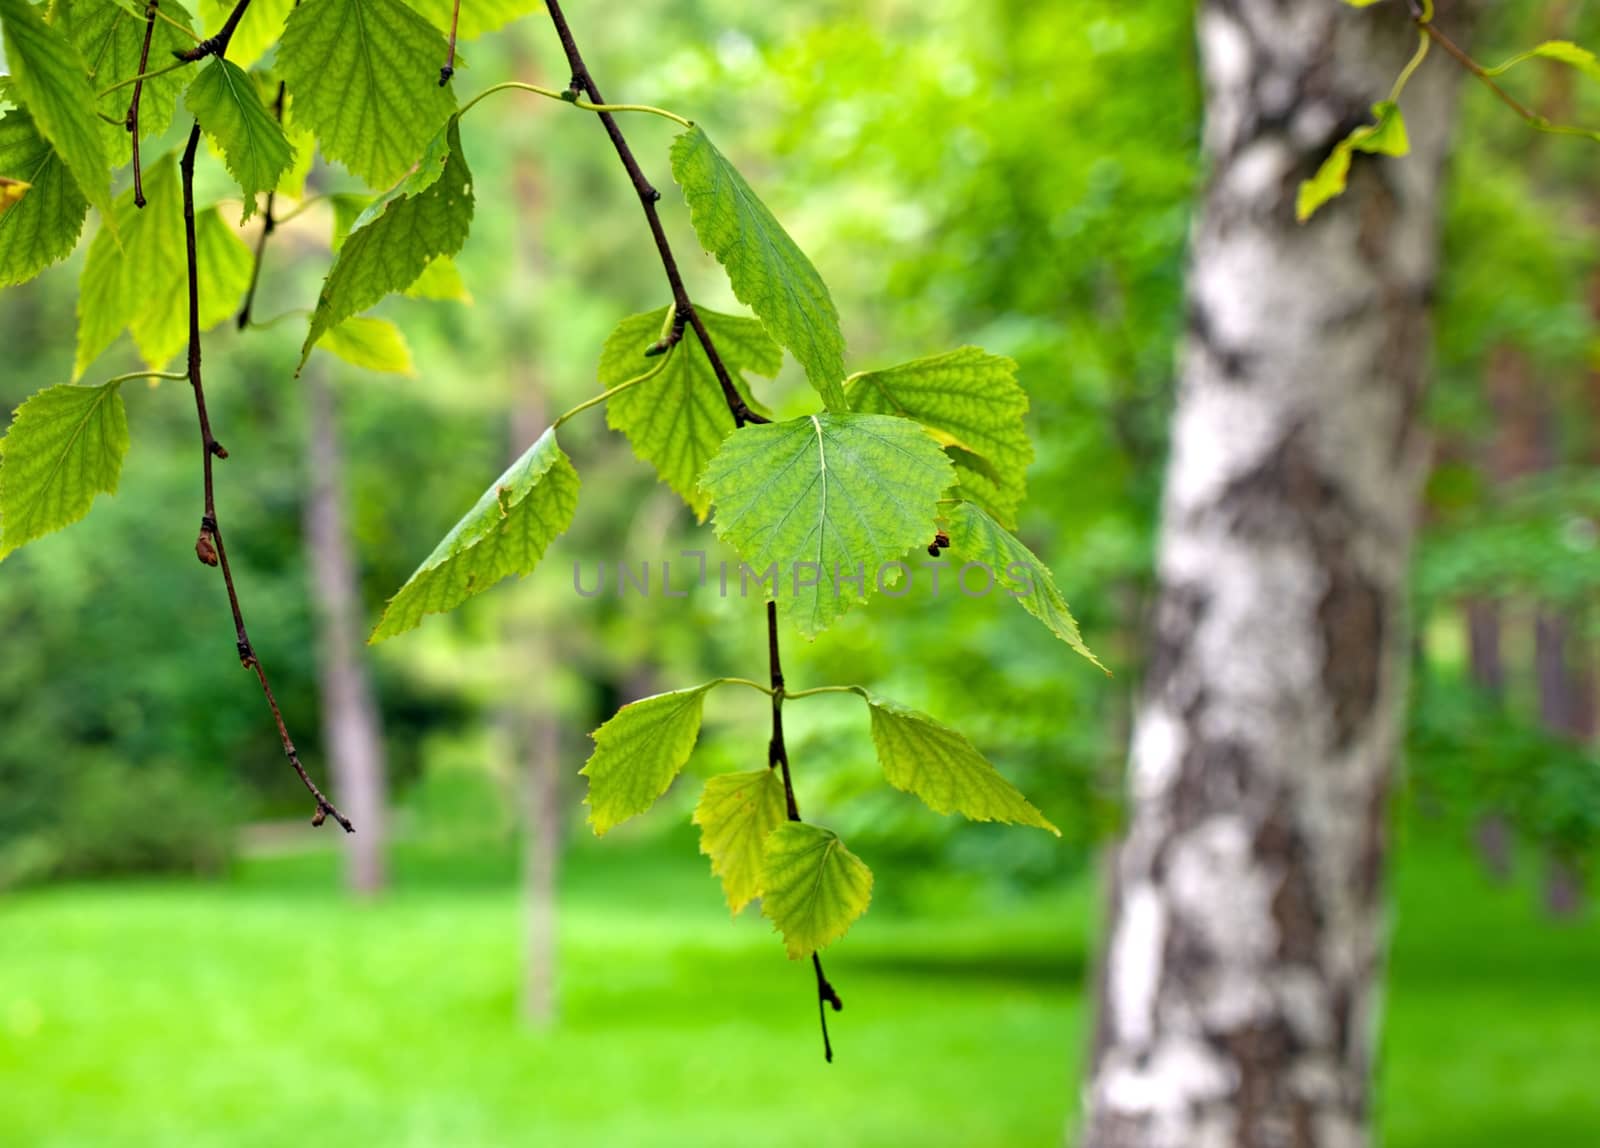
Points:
x=351, y=727
x=1239, y=988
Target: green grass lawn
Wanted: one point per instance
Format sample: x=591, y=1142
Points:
x=268, y=1011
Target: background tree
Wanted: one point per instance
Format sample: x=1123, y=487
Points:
x=1242, y=962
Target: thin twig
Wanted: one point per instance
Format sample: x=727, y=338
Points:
x=684, y=312
x=132, y=121
x=268, y=223
x=449, y=68
x=583, y=82
x=209, y=545
x=216, y=45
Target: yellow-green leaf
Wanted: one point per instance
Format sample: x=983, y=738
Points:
x=678, y=419
x=768, y=271
x=939, y=765
x=141, y=282
x=735, y=814
x=50, y=79
x=374, y=344
x=1386, y=135
x=224, y=99
x=971, y=401
x=65, y=446
x=42, y=224
x=256, y=32
x=424, y=217
x=825, y=502
x=364, y=75
x=812, y=887
x=638, y=752
x=976, y=537
x=506, y=532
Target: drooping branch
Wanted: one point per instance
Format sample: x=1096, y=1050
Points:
x=685, y=313
x=132, y=121
x=209, y=545
x=683, y=308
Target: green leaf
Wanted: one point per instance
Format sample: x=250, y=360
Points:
x=638, y=752
x=769, y=273
x=679, y=418
x=110, y=37
x=922, y=757
x=65, y=446
x=477, y=18
x=826, y=495
x=364, y=75
x=225, y=101
x=423, y=217
x=812, y=887
x=976, y=537
x=972, y=402
x=143, y=284
x=375, y=344
x=43, y=225
x=258, y=30
x=736, y=813
x=1386, y=135
x=51, y=81
x=505, y=533
x=440, y=280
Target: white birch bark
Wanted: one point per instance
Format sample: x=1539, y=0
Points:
x=1239, y=988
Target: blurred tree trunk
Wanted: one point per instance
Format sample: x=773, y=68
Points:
x=1238, y=990
x=536, y=742
x=351, y=726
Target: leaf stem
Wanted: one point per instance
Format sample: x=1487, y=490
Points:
x=1486, y=76
x=143, y=76
x=613, y=392
x=859, y=691
x=576, y=101
x=1404, y=78
x=175, y=376
x=209, y=545
x=178, y=24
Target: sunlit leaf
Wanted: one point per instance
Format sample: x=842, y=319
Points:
x=52, y=82
x=977, y=538
x=425, y=216
x=939, y=765
x=374, y=344
x=678, y=419
x=638, y=752
x=823, y=499
x=736, y=813
x=65, y=446
x=225, y=101
x=1386, y=135
x=506, y=532
x=812, y=887
x=971, y=400
x=768, y=271
x=42, y=223
x=364, y=75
